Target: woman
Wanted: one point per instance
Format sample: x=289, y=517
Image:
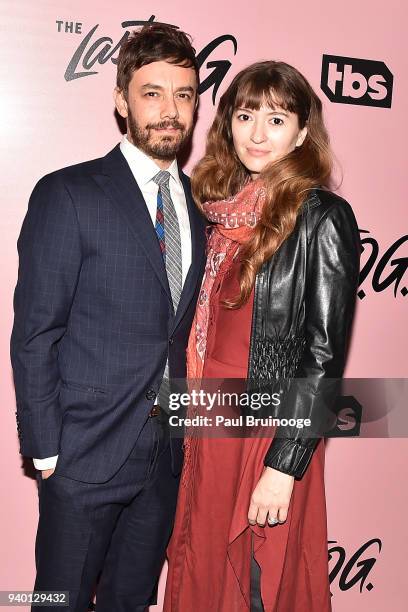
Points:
x=277, y=301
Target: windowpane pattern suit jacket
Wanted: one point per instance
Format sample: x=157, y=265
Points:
x=94, y=320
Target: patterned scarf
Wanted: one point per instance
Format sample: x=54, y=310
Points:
x=234, y=219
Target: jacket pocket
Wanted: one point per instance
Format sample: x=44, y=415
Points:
x=83, y=387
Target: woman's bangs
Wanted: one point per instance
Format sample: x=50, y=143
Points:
x=258, y=92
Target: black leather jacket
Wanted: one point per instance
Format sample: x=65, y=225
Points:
x=303, y=311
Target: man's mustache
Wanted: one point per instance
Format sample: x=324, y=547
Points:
x=165, y=124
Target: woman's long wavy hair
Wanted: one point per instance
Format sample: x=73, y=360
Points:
x=220, y=174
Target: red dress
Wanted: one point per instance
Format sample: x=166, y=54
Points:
x=210, y=549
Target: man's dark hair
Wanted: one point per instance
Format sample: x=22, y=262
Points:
x=154, y=43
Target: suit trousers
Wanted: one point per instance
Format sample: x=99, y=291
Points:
x=111, y=537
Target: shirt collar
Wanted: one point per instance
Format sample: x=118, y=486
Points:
x=142, y=166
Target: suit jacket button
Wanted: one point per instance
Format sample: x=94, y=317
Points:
x=151, y=395
x=171, y=340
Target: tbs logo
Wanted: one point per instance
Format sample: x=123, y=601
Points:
x=348, y=412
x=348, y=80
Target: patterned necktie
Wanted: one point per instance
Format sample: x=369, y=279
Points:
x=168, y=233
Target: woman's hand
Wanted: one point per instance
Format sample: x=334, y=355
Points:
x=271, y=497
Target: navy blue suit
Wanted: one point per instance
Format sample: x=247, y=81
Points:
x=93, y=327
x=93, y=317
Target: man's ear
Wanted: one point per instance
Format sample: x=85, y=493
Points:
x=120, y=102
x=196, y=101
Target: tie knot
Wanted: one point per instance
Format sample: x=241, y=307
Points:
x=162, y=178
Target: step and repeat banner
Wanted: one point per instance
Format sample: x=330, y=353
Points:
x=58, y=68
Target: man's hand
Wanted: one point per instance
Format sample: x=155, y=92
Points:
x=271, y=497
x=47, y=473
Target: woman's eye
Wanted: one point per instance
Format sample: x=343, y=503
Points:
x=277, y=121
x=243, y=117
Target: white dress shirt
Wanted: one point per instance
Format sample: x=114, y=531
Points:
x=144, y=169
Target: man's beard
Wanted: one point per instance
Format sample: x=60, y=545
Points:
x=165, y=147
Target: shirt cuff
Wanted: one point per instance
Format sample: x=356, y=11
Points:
x=48, y=463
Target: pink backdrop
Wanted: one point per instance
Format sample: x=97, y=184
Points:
x=48, y=122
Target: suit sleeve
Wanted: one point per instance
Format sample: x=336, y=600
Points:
x=49, y=264
x=331, y=288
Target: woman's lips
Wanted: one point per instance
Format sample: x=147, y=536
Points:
x=257, y=152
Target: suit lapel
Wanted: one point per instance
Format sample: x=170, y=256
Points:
x=120, y=186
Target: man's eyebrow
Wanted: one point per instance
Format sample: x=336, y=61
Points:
x=186, y=88
x=160, y=88
x=151, y=86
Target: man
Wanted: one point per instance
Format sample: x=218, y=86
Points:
x=111, y=260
